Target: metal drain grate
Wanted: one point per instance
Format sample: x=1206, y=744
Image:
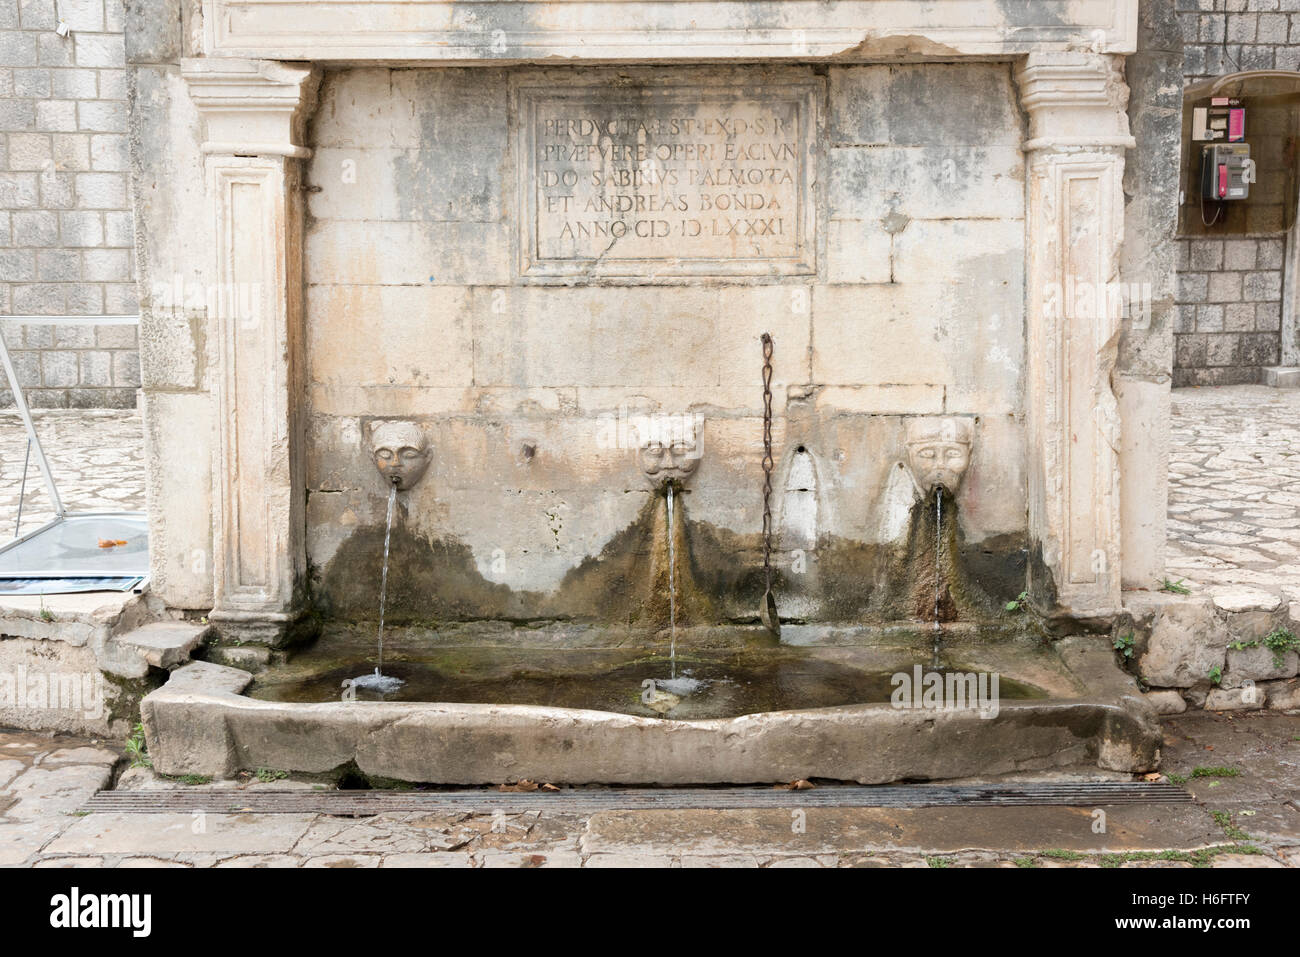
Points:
x=582, y=800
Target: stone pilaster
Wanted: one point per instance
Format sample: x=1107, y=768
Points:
x=1078, y=131
x=253, y=116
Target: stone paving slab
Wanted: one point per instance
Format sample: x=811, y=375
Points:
x=41, y=792
x=837, y=831
x=165, y=834
x=1274, y=823
x=261, y=860
x=21, y=840
x=427, y=860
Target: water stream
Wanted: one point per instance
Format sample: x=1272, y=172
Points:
x=675, y=687
x=938, y=570
x=672, y=587
x=938, y=544
x=379, y=681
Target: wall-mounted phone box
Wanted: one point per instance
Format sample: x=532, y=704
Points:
x=1226, y=171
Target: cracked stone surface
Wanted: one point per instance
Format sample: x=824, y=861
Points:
x=1251, y=819
x=1234, y=490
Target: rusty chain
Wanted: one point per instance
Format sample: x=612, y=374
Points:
x=767, y=460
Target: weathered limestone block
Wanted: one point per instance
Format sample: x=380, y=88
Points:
x=1144, y=409
x=1187, y=640
x=353, y=342
x=1166, y=702
x=1259, y=664
x=923, y=104
x=926, y=182
x=1243, y=598
x=152, y=30
x=57, y=686
x=178, y=477
x=392, y=253
x=1249, y=698
x=1282, y=695
x=185, y=734
x=164, y=149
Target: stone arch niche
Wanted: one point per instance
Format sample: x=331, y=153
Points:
x=219, y=119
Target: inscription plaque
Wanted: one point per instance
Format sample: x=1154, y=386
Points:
x=659, y=181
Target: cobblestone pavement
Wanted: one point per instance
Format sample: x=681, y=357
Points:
x=96, y=456
x=1247, y=819
x=1234, y=493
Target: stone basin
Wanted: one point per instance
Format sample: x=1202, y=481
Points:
x=1079, y=709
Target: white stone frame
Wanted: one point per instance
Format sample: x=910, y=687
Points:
x=805, y=91
x=253, y=116
x=1077, y=106
x=254, y=113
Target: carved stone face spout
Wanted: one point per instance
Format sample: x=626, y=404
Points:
x=400, y=451
x=671, y=455
x=938, y=451
x=668, y=463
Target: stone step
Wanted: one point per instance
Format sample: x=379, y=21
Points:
x=84, y=618
x=163, y=644
x=1282, y=377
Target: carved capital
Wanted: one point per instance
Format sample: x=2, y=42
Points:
x=1075, y=100
x=252, y=107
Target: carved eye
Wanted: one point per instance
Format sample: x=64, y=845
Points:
x=925, y=454
x=410, y=455
x=384, y=455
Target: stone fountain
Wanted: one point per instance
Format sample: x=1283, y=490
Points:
x=510, y=243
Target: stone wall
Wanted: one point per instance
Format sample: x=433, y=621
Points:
x=1234, y=651
x=1230, y=289
x=416, y=308
x=1229, y=309
x=65, y=219
x=1230, y=36
x=73, y=366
